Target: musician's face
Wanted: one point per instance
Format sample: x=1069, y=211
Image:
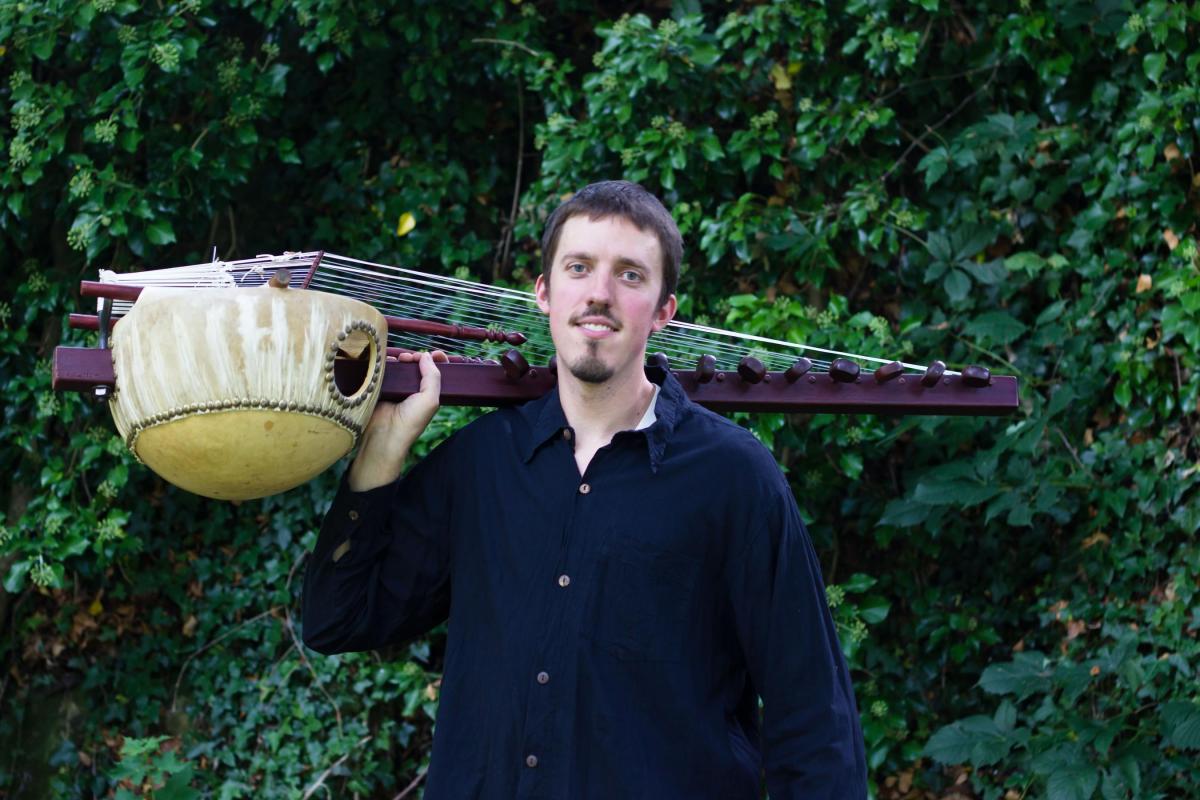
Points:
x=602, y=297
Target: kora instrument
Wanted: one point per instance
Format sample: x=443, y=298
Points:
x=245, y=378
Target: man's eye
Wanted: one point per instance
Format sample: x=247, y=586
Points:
x=631, y=275
x=576, y=267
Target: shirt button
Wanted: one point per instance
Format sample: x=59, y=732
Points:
x=543, y=678
x=567, y=434
x=531, y=760
x=353, y=515
x=584, y=488
x=564, y=581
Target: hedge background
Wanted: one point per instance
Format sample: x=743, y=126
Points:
x=1010, y=184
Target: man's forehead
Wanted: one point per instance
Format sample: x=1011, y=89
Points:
x=582, y=235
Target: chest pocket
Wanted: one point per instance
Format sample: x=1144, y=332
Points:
x=643, y=608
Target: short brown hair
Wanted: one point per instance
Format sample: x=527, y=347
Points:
x=628, y=201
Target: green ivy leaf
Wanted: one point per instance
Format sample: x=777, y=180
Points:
x=940, y=248
x=710, y=147
x=957, y=284
x=1027, y=262
x=14, y=581
x=940, y=493
x=996, y=326
x=1181, y=724
x=1005, y=716
x=705, y=54
x=975, y=739
x=1123, y=394
x=1123, y=780
x=989, y=273
x=1072, y=782
x=934, y=165
x=873, y=609
x=858, y=582
x=1027, y=673
x=160, y=232
x=1154, y=64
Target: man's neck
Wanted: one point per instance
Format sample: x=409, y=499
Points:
x=597, y=411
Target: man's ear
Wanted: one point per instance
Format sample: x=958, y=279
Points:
x=665, y=314
x=541, y=290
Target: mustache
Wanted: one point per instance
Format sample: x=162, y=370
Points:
x=596, y=311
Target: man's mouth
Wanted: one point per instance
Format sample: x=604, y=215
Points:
x=595, y=324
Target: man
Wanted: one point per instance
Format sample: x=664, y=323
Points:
x=624, y=572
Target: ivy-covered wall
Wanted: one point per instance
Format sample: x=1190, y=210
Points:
x=1010, y=184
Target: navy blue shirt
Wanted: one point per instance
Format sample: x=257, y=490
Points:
x=609, y=634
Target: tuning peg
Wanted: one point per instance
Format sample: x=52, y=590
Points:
x=933, y=373
x=751, y=370
x=976, y=377
x=797, y=371
x=659, y=360
x=515, y=365
x=888, y=371
x=706, y=369
x=844, y=371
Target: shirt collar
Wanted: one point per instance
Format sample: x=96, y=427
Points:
x=547, y=420
x=649, y=417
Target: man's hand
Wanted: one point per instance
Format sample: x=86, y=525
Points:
x=395, y=426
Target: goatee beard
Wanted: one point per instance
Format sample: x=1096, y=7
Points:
x=590, y=369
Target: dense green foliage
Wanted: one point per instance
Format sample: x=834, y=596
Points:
x=1009, y=184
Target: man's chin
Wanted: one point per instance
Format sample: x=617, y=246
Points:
x=590, y=369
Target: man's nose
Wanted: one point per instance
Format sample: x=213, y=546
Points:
x=600, y=288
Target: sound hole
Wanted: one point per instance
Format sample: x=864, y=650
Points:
x=354, y=365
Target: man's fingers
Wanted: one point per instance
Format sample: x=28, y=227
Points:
x=431, y=377
x=410, y=356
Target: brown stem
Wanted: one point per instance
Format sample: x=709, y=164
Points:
x=213, y=643
x=931, y=130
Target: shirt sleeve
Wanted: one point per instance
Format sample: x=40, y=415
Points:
x=812, y=737
x=380, y=571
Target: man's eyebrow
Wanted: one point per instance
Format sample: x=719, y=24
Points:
x=578, y=257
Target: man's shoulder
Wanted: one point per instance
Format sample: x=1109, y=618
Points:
x=731, y=446
x=512, y=421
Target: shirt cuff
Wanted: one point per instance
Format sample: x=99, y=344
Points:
x=353, y=518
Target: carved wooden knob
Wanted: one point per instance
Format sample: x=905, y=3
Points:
x=515, y=365
x=798, y=370
x=976, y=377
x=888, y=371
x=933, y=373
x=751, y=370
x=706, y=369
x=516, y=338
x=844, y=371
